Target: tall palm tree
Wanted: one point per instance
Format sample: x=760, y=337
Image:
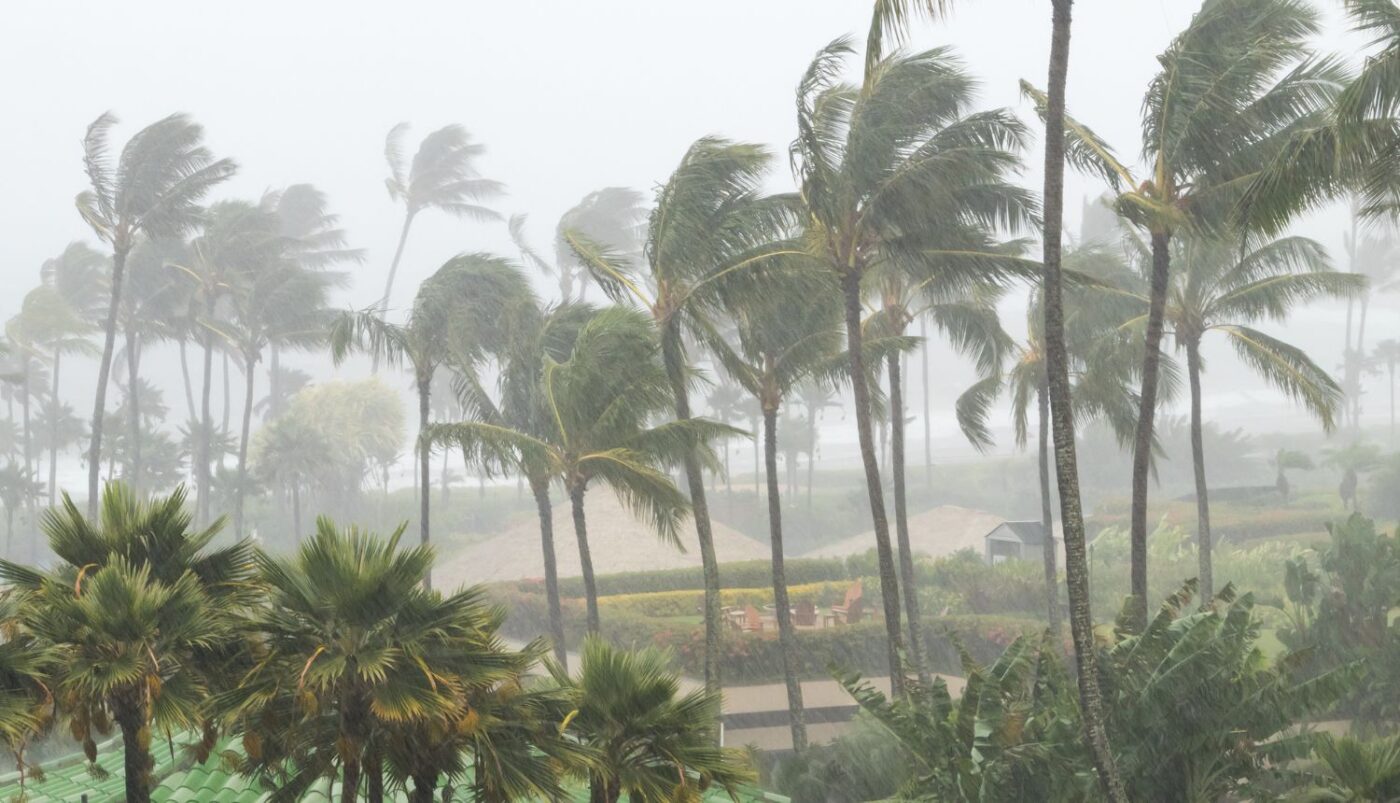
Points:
x=1213, y=118
x=1062, y=414
x=707, y=235
x=462, y=311
x=1373, y=253
x=79, y=276
x=652, y=741
x=358, y=648
x=154, y=299
x=782, y=341
x=442, y=176
x=1222, y=287
x=1387, y=353
x=154, y=188
x=139, y=611
x=897, y=175
x=612, y=215
x=599, y=401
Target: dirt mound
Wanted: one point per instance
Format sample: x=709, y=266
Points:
x=617, y=540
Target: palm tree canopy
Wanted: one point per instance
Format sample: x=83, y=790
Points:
x=442, y=175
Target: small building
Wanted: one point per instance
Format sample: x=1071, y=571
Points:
x=1015, y=540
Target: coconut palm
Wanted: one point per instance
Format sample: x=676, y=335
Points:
x=43, y=323
x=464, y=310
x=707, y=235
x=1372, y=252
x=17, y=487
x=1214, y=116
x=1387, y=353
x=898, y=176
x=652, y=742
x=780, y=344
x=598, y=403
x=442, y=176
x=1062, y=414
x=357, y=647
x=138, y=609
x=79, y=277
x=154, y=188
x=612, y=215
x=1222, y=287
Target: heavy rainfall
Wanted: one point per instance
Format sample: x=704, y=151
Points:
x=945, y=400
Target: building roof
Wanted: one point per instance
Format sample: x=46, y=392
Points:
x=1027, y=532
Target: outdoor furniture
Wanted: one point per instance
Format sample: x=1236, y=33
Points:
x=805, y=615
x=852, y=609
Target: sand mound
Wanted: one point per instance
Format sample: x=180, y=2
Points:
x=940, y=531
x=617, y=540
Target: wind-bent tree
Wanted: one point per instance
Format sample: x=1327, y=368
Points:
x=707, y=236
x=898, y=175
x=463, y=310
x=1062, y=414
x=612, y=215
x=599, y=402
x=154, y=188
x=783, y=339
x=652, y=741
x=1213, y=118
x=1387, y=354
x=153, y=304
x=138, y=609
x=442, y=176
x=1373, y=252
x=79, y=277
x=1223, y=287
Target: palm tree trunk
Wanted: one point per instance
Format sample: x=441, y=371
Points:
x=228, y=400
x=274, y=383
x=202, y=474
x=24, y=411
x=1360, y=355
x=1198, y=463
x=374, y=775
x=1062, y=417
x=674, y=359
x=787, y=637
x=250, y=375
x=444, y=486
x=424, y=784
x=1390, y=369
x=425, y=488
x=104, y=372
x=133, y=415
x=539, y=486
x=901, y=520
x=130, y=714
x=53, y=427
x=923, y=377
x=889, y=582
x=189, y=387
x=590, y=588
x=393, y=272
x=1142, y=441
x=1348, y=356
x=811, y=454
x=1047, y=516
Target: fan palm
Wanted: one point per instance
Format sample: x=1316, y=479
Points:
x=653, y=743
x=357, y=648
x=598, y=403
x=1356, y=770
x=1213, y=118
x=706, y=237
x=1223, y=288
x=898, y=176
x=154, y=188
x=782, y=342
x=138, y=609
x=464, y=310
x=442, y=176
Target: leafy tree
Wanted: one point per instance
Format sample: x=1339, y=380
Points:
x=707, y=236
x=442, y=176
x=1286, y=460
x=652, y=742
x=138, y=609
x=1354, y=460
x=1214, y=116
x=154, y=188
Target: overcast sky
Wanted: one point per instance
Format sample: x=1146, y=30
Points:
x=567, y=96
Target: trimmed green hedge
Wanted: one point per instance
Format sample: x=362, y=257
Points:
x=745, y=574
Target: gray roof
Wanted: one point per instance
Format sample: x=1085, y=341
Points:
x=1027, y=532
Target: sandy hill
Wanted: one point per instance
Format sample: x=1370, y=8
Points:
x=940, y=531
x=617, y=540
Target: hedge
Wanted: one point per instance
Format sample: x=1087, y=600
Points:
x=745, y=574
x=687, y=603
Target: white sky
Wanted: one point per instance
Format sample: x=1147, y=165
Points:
x=567, y=96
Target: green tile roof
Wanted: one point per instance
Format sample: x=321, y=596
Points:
x=66, y=780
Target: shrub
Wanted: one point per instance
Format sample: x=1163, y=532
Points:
x=687, y=603
x=744, y=574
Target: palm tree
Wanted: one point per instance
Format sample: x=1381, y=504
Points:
x=357, y=648
x=612, y=215
x=462, y=311
x=289, y=453
x=1213, y=118
x=1356, y=770
x=782, y=341
x=442, y=176
x=707, y=235
x=598, y=402
x=26, y=702
x=138, y=609
x=1222, y=287
x=1062, y=414
x=1387, y=353
x=1374, y=254
x=652, y=742
x=897, y=176
x=79, y=277
x=154, y=189
x=17, y=488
